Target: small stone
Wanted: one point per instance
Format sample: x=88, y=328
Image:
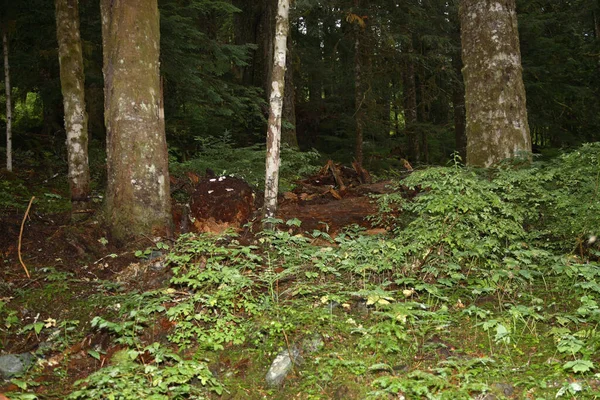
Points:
x=282, y=365
x=313, y=344
x=504, y=388
x=15, y=364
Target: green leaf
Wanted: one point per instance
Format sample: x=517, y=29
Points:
x=20, y=384
x=579, y=366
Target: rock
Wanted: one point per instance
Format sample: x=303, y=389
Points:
x=15, y=364
x=498, y=390
x=282, y=365
x=313, y=344
x=503, y=389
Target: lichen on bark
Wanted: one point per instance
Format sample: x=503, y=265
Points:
x=73, y=90
x=138, y=194
x=276, y=106
x=495, y=101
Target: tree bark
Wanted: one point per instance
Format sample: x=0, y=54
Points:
x=73, y=90
x=256, y=24
x=495, y=101
x=138, y=195
x=275, y=110
x=359, y=93
x=9, y=166
x=409, y=91
x=288, y=131
x=458, y=104
x=597, y=27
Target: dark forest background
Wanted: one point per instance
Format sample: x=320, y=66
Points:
x=216, y=57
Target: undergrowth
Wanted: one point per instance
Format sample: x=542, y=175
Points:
x=487, y=283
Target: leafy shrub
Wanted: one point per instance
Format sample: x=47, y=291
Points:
x=168, y=376
x=220, y=292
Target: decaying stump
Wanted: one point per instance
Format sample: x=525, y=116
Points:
x=220, y=202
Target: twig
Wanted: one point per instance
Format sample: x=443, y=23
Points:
x=21, y=236
x=289, y=349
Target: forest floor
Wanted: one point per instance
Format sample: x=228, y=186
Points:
x=206, y=315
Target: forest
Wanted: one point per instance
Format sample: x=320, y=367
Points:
x=311, y=199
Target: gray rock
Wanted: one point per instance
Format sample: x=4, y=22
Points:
x=14, y=364
x=313, y=344
x=282, y=365
x=504, y=389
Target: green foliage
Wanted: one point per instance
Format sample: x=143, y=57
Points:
x=168, y=376
x=472, y=287
x=220, y=155
x=220, y=301
x=202, y=98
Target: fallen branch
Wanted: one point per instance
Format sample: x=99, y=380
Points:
x=21, y=236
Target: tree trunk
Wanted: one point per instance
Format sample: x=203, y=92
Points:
x=8, y=103
x=275, y=110
x=256, y=24
x=73, y=90
x=315, y=84
x=496, y=112
x=597, y=28
x=288, y=131
x=138, y=195
x=458, y=104
x=359, y=93
x=409, y=91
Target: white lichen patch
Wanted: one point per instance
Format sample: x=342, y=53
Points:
x=162, y=190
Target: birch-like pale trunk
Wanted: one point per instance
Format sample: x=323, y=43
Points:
x=496, y=113
x=73, y=91
x=275, y=110
x=8, y=103
x=138, y=198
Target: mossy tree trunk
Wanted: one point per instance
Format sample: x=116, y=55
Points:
x=276, y=108
x=9, y=165
x=73, y=90
x=138, y=194
x=496, y=112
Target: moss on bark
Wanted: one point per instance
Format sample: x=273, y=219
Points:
x=138, y=195
x=73, y=90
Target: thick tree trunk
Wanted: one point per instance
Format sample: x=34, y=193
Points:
x=8, y=103
x=276, y=106
x=496, y=112
x=409, y=91
x=138, y=196
x=73, y=91
x=288, y=130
